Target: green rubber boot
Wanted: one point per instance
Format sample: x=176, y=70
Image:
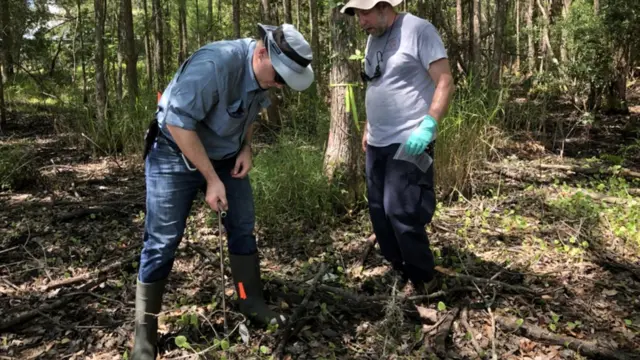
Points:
x=246, y=279
x=148, y=305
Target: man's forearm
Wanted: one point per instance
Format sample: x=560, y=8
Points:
x=441, y=98
x=191, y=146
x=248, y=137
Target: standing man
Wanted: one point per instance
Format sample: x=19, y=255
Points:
x=409, y=86
x=204, y=128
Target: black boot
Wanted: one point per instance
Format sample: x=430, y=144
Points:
x=246, y=279
x=148, y=304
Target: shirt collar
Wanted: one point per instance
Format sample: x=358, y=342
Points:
x=250, y=83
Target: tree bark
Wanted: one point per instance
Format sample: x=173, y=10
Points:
x=7, y=39
x=341, y=156
x=159, y=48
x=119, y=49
x=85, y=96
x=210, y=20
x=3, y=111
x=130, y=53
x=617, y=98
x=287, y=12
x=168, y=55
x=182, y=31
x=101, y=86
x=298, y=23
x=315, y=44
x=273, y=111
x=531, y=50
x=497, y=44
x=566, y=6
x=236, y=18
x=149, y=54
x=459, y=28
x=517, y=64
x=199, y=39
x=475, y=54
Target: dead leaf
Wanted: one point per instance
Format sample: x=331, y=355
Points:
x=430, y=316
x=611, y=292
x=527, y=345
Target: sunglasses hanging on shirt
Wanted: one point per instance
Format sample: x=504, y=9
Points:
x=376, y=74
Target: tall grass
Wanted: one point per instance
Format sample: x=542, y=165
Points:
x=466, y=135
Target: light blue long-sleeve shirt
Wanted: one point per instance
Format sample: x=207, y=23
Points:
x=215, y=93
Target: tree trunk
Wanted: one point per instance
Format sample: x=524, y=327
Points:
x=617, y=97
x=149, y=54
x=517, y=64
x=119, y=50
x=7, y=39
x=273, y=111
x=566, y=6
x=546, y=51
x=315, y=44
x=287, y=12
x=341, y=156
x=475, y=48
x=182, y=31
x=236, y=18
x=168, y=55
x=130, y=53
x=596, y=7
x=159, y=48
x=459, y=28
x=3, y=111
x=199, y=39
x=531, y=50
x=101, y=86
x=210, y=20
x=85, y=96
x=500, y=15
x=298, y=23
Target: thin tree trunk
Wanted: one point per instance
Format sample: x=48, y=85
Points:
x=220, y=12
x=168, y=55
x=531, y=50
x=476, y=56
x=130, y=53
x=149, y=54
x=617, y=99
x=273, y=111
x=287, y=12
x=182, y=31
x=458, y=20
x=236, y=18
x=7, y=38
x=210, y=20
x=596, y=7
x=298, y=23
x=315, y=43
x=159, y=48
x=517, y=15
x=85, y=96
x=101, y=86
x=3, y=111
x=199, y=39
x=566, y=6
x=119, y=50
x=497, y=44
x=341, y=156
x=545, y=43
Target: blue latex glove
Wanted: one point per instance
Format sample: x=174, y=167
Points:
x=421, y=137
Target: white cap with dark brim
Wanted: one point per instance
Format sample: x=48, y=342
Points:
x=349, y=7
x=290, y=54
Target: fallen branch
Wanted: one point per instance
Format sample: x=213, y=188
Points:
x=589, y=349
x=27, y=315
x=298, y=313
x=86, y=276
x=590, y=170
x=516, y=288
x=465, y=323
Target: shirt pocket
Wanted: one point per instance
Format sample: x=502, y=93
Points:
x=231, y=124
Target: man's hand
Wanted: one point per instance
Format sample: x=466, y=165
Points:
x=364, y=142
x=216, y=195
x=243, y=163
x=421, y=137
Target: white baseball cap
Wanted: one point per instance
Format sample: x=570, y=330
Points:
x=290, y=54
x=349, y=7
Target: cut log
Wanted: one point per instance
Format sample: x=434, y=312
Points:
x=590, y=349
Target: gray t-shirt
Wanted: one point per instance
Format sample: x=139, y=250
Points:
x=397, y=101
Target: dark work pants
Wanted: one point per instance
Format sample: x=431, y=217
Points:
x=401, y=203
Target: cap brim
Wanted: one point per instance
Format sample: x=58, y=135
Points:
x=295, y=80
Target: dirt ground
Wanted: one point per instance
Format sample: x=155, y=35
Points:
x=542, y=263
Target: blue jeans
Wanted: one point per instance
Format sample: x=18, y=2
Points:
x=401, y=203
x=171, y=189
